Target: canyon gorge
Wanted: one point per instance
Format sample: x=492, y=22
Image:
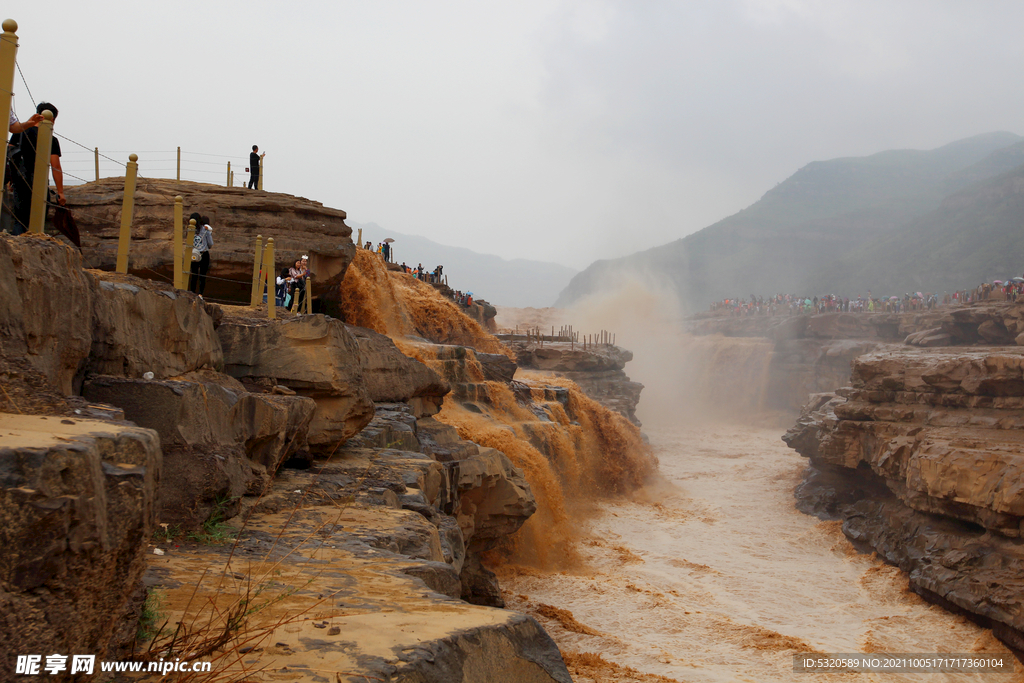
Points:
x=384, y=490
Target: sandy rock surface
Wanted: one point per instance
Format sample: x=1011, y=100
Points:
x=78, y=505
x=923, y=459
x=299, y=227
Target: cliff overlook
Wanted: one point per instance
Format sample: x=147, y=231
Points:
x=307, y=493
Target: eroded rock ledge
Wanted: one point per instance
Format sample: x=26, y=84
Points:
x=153, y=408
x=922, y=458
x=598, y=370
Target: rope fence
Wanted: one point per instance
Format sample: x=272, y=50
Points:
x=30, y=212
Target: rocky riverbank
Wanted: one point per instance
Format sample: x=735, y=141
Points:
x=913, y=433
x=921, y=458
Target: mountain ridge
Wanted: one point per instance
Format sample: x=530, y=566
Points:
x=826, y=210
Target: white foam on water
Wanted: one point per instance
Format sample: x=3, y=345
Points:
x=713, y=575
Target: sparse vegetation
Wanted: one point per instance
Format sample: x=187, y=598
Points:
x=215, y=529
x=151, y=616
x=167, y=533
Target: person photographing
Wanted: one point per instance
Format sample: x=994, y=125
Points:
x=23, y=165
x=255, y=158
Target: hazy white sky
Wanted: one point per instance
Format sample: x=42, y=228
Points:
x=560, y=130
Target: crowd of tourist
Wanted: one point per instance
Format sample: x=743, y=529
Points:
x=792, y=304
x=431, y=277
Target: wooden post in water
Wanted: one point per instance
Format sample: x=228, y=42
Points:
x=41, y=178
x=127, y=206
x=257, y=273
x=177, y=246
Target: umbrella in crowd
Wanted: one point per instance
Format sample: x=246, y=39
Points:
x=1018, y=279
x=997, y=282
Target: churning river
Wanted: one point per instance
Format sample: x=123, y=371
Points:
x=713, y=575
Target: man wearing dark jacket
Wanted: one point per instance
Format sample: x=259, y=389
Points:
x=254, y=167
x=25, y=168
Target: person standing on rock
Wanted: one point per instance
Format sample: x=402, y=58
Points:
x=202, y=242
x=254, y=167
x=24, y=168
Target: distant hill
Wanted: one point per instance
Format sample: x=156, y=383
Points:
x=976, y=235
x=517, y=283
x=838, y=227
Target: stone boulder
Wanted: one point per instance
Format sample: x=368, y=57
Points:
x=78, y=504
x=494, y=498
x=563, y=356
x=933, y=337
x=46, y=307
x=597, y=370
x=497, y=367
x=391, y=376
x=299, y=226
x=143, y=326
x=313, y=355
x=220, y=442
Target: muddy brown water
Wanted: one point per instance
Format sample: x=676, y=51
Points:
x=715, y=576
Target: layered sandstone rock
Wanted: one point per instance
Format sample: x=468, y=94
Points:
x=65, y=321
x=220, y=442
x=46, y=307
x=923, y=459
x=418, y=503
x=142, y=326
x=314, y=355
x=78, y=505
x=299, y=227
x=391, y=376
x=598, y=370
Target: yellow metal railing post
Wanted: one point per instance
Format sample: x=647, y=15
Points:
x=187, y=249
x=96, y=159
x=8, y=55
x=179, y=250
x=263, y=167
x=231, y=179
x=359, y=245
x=179, y=164
x=268, y=273
x=229, y=174
x=41, y=178
x=257, y=272
x=309, y=297
x=127, y=206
